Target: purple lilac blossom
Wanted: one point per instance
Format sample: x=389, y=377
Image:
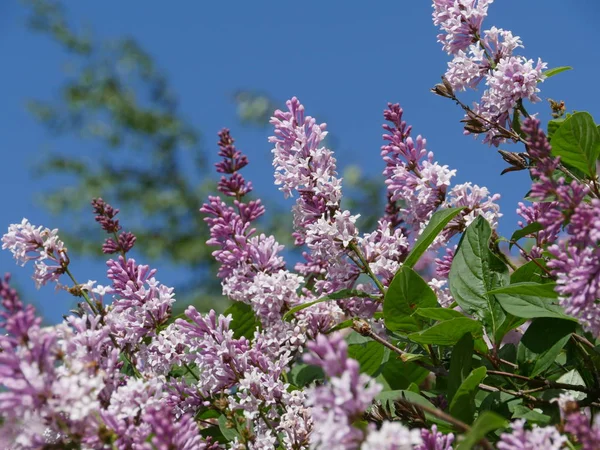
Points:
x=547, y=438
x=336, y=405
x=586, y=434
x=532, y=214
x=460, y=22
x=141, y=303
x=575, y=261
x=105, y=216
x=435, y=440
x=486, y=55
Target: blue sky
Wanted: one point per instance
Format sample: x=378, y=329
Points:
x=344, y=60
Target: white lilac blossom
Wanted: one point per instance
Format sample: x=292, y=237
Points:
x=460, y=22
x=488, y=55
x=538, y=438
x=40, y=245
x=392, y=436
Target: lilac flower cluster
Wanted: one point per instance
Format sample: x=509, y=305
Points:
x=40, y=245
x=105, y=216
x=575, y=261
x=546, y=438
x=417, y=186
x=486, y=54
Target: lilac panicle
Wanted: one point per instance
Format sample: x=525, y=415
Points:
x=413, y=179
x=435, y=440
x=105, y=216
x=576, y=258
x=233, y=161
x=586, y=435
x=304, y=165
x=418, y=186
x=141, y=303
x=532, y=214
x=547, y=438
x=168, y=433
x=40, y=245
x=460, y=22
x=336, y=405
x=486, y=55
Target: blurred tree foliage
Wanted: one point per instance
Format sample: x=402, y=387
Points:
x=142, y=156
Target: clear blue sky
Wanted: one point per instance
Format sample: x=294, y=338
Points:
x=344, y=60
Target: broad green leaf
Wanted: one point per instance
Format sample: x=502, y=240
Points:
x=541, y=344
x=435, y=226
x=227, y=429
x=448, y=332
x=244, y=321
x=577, y=142
x=340, y=326
x=460, y=363
x=531, y=415
x=554, y=125
x=400, y=375
x=573, y=377
x=526, y=230
x=530, y=272
x=531, y=300
x=463, y=403
x=556, y=70
x=407, y=292
x=303, y=374
x=369, y=356
x=475, y=271
x=485, y=423
x=338, y=295
x=438, y=313
x=545, y=290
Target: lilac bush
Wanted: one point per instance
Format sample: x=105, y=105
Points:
x=424, y=333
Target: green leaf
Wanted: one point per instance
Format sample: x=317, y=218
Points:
x=541, y=344
x=538, y=303
x=485, y=423
x=545, y=290
x=342, y=325
x=227, y=429
x=533, y=227
x=460, y=363
x=530, y=272
x=463, y=403
x=244, y=321
x=531, y=415
x=573, y=377
x=369, y=356
x=435, y=226
x=400, y=375
x=554, y=125
x=474, y=272
x=448, y=332
x=387, y=399
x=556, y=70
x=338, y=295
x=577, y=142
x=303, y=374
x=438, y=313
x=407, y=292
